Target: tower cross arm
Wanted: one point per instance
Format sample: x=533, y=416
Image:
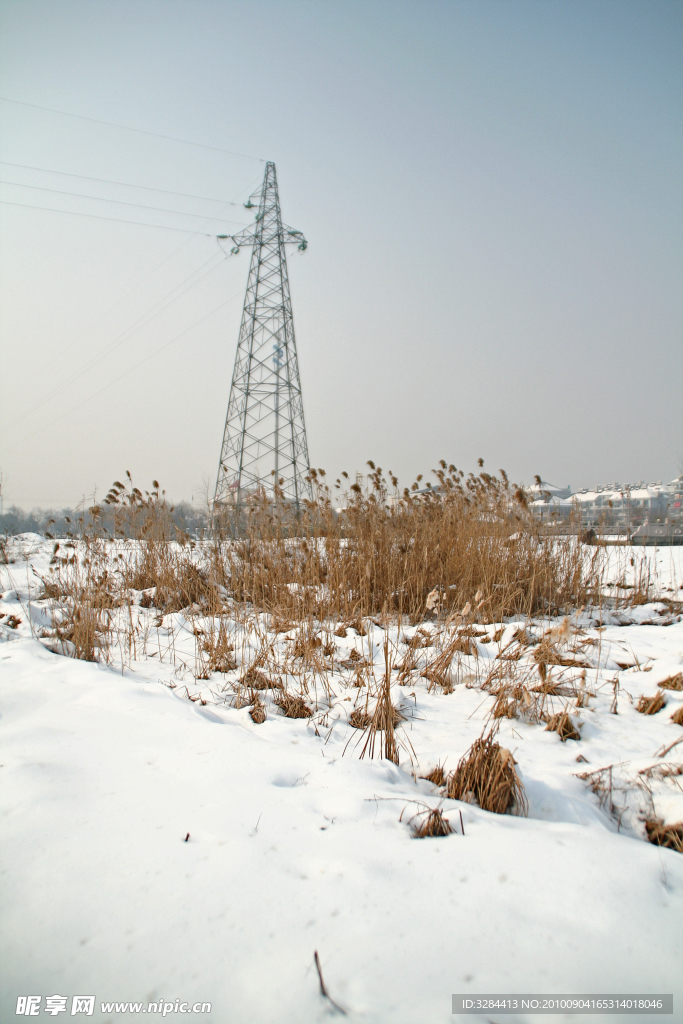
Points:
x=295, y=237
x=250, y=235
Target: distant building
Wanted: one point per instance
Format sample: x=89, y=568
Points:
x=614, y=505
x=543, y=491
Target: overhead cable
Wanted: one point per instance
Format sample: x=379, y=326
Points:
x=127, y=128
x=74, y=408
x=116, y=220
x=119, y=202
x=108, y=181
x=132, y=329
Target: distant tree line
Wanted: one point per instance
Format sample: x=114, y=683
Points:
x=58, y=522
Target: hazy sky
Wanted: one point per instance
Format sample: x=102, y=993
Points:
x=492, y=197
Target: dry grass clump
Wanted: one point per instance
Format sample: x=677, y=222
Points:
x=258, y=710
x=85, y=590
x=51, y=590
x=305, y=643
x=651, y=705
x=677, y=717
x=433, y=825
x=388, y=551
x=172, y=579
x=359, y=718
x=278, y=625
x=384, y=719
x=219, y=650
x=660, y=834
x=509, y=700
x=563, y=725
x=258, y=680
x=437, y=776
x=439, y=669
x=672, y=682
x=293, y=706
x=362, y=719
x=546, y=653
x=486, y=774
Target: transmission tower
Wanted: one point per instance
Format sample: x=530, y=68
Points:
x=264, y=441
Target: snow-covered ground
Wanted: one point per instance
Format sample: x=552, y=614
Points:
x=298, y=845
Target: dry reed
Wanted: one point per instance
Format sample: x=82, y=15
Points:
x=432, y=825
x=292, y=705
x=563, y=725
x=387, y=552
x=437, y=776
x=651, y=705
x=672, y=682
x=660, y=834
x=486, y=775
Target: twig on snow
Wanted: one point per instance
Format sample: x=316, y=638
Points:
x=666, y=750
x=323, y=990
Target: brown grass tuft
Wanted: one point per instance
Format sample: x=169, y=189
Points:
x=257, y=680
x=433, y=825
x=660, y=834
x=219, y=649
x=563, y=725
x=384, y=718
x=293, y=706
x=673, y=682
x=677, y=717
x=258, y=710
x=437, y=776
x=651, y=705
x=487, y=774
x=359, y=719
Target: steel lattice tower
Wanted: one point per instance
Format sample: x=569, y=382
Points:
x=264, y=441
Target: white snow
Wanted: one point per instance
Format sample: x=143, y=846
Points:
x=296, y=844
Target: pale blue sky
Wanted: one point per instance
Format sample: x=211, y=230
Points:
x=492, y=196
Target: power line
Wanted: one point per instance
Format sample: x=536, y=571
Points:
x=137, y=325
x=108, y=181
x=93, y=323
x=75, y=408
x=120, y=202
x=127, y=128
x=116, y=220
